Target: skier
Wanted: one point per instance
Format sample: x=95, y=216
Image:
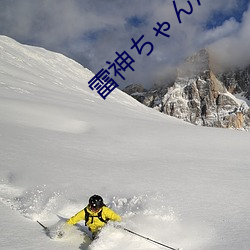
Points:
x=95, y=214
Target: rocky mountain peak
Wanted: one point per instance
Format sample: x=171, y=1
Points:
x=197, y=64
x=202, y=97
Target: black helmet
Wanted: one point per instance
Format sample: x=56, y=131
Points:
x=96, y=202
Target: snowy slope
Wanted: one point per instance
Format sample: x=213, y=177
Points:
x=179, y=184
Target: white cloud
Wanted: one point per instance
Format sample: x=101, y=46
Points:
x=93, y=30
x=233, y=50
x=228, y=28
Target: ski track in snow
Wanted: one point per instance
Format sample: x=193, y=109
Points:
x=43, y=117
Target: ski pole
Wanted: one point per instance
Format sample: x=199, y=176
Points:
x=45, y=228
x=146, y=238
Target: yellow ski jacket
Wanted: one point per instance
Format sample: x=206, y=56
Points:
x=94, y=223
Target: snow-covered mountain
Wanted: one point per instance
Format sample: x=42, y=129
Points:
x=201, y=96
x=182, y=185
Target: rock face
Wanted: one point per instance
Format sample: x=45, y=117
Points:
x=137, y=91
x=237, y=81
x=201, y=97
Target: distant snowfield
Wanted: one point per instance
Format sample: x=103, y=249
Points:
x=179, y=184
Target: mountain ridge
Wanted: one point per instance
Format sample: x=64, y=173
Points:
x=201, y=95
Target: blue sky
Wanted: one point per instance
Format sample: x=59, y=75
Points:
x=91, y=31
x=218, y=17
